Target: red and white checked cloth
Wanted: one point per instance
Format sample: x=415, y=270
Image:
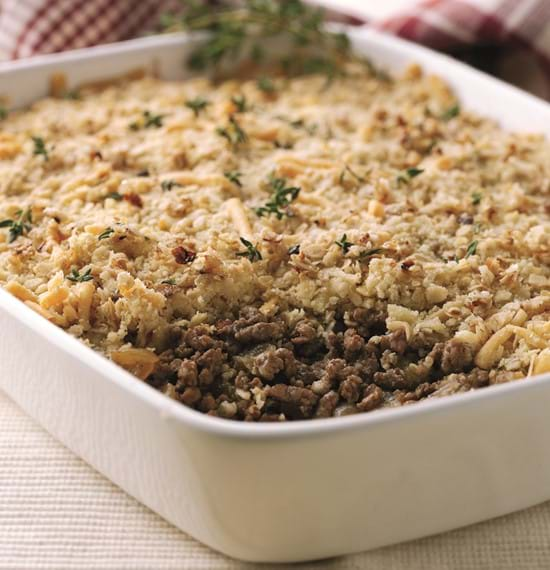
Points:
x=510, y=37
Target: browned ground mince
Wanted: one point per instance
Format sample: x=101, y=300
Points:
x=257, y=368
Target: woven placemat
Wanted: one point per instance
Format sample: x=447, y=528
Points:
x=56, y=512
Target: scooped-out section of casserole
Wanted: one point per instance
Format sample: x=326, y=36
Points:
x=282, y=248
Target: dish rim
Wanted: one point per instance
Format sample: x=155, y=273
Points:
x=175, y=411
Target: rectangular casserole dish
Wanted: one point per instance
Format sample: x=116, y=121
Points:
x=299, y=491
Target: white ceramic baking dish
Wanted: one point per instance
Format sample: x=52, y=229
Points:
x=297, y=491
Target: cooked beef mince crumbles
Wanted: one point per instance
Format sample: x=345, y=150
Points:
x=318, y=250
x=258, y=368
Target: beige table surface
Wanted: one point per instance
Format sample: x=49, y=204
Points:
x=57, y=513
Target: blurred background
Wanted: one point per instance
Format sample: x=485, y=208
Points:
x=507, y=38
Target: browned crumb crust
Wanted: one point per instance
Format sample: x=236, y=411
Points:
x=257, y=368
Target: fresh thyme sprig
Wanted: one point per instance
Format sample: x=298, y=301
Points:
x=252, y=252
x=18, y=227
x=149, y=120
x=243, y=29
x=233, y=132
x=107, y=233
x=368, y=253
x=40, y=148
x=197, y=105
x=344, y=244
x=282, y=195
x=234, y=176
x=240, y=103
x=78, y=277
x=476, y=198
x=472, y=249
x=451, y=113
x=409, y=174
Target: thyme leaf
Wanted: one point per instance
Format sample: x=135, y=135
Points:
x=107, y=233
x=409, y=174
x=240, y=103
x=18, y=227
x=252, y=252
x=40, y=148
x=234, y=176
x=282, y=195
x=149, y=120
x=451, y=113
x=370, y=252
x=78, y=277
x=233, y=132
x=197, y=105
x=344, y=244
x=472, y=249
x=476, y=198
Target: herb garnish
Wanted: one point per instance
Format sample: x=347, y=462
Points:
x=240, y=103
x=72, y=95
x=167, y=185
x=472, y=248
x=281, y=197
x=168, y=281
x=294, y=250
x=266, y=85
x=40, y=147
x=451, y=113
x=234, y=176
x=115, y=196
x=241, y=29
x=148, y=121
x=476, y=198
x=197, y=105
x=106, y=234
x=252, y=252
x=152, y=120
x=78, y=277
x=370, y=252
x=409, y=174
x=233, y=132
x=18, y=227
x=3, y=113
x=344, y=244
